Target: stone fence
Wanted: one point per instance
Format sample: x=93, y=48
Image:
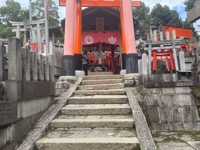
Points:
x=26, y=88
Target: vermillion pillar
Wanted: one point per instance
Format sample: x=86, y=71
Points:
x=129, y=37
x=68, y=67
x=77, y=37
x=123, y=38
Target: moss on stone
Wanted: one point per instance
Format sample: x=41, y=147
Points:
x=137, y=147
x=196, y=92
x=156, y=133
x=172, y=139
x=139, y=90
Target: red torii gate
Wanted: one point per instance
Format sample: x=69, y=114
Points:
x=73, y=21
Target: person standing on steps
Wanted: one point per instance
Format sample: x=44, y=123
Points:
x=85, y=63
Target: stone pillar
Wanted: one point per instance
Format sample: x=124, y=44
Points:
x=174, y=50
x=161, y=36
x=14, y=89
x=182, y=61
x=144, y=64
x=128, y=29
x=77, y=36
x=1, y=62
x=68, y=67
x=18, y=32
x=140, y=66
x=155, y=39
x=39, y=38
x=53, y=38
x=34, y=37
x=14, y=60
x=167, y=36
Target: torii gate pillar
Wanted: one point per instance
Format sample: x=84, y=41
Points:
x=68, y=65
x=77, y=36
x=128, y=36
x=73, y=32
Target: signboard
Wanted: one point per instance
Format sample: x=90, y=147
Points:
x=113, y=38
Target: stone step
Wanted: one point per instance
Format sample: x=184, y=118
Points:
x=101, y=86
x=99, y=73
x=99, y=99
x=90, y=132
x=100, y=109
x=105, y=81
x=101, y=77
x=88, y=144
x=100, y=92
x=92, y=122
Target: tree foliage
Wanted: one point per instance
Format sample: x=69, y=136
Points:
x=38, y=12
x=141, y=20
x=189, y=4
x=162, y=15
x=12, y=11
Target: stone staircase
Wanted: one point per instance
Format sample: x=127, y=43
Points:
x=97, y=117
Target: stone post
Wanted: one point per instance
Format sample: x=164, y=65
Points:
x=149, y=60
x=39, y=38
x=35, y=66
x=27, y=69
x=173, y=34
x=18, y=32
x=47, y=73
x=14, y=60
x=14, y=89
x=174, y=50
x=140, y=67
x=161, y=36
x=1, y=62
x=155, y=39
x=51, y=60
x=182, y=61
x=144, y=64
x=41, y=67
x=167, y=36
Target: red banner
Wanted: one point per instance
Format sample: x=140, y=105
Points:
x=113, y=38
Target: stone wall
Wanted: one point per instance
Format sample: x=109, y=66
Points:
x=27, y=114
x=172, y=109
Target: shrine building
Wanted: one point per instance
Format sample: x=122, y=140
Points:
x=101, y=34
x=103, y=31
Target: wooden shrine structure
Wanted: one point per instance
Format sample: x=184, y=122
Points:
x=73, y=32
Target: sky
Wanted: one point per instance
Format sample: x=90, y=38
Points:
x=173, y=4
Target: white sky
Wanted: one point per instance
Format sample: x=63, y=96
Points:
x=150, y=3
x=173, y=4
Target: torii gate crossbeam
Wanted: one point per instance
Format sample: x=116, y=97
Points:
x=73, y=31
x=102, y=3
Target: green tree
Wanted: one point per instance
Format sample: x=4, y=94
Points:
x=141, y=20
x=12, y=11
x=38, y=12
x=189, y=4
x=162, y=15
